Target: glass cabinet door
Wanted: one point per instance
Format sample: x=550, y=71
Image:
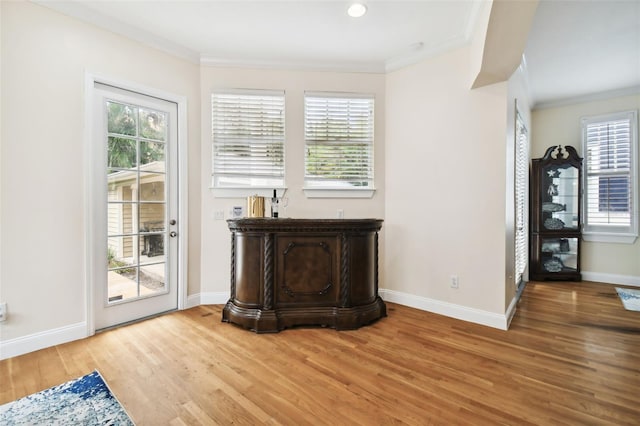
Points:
x=559, y=255
x=560, y=201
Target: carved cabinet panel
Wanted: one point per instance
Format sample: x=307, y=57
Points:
x=306, y=270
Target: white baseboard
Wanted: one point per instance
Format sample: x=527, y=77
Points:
x=33, y=342
x=611, y=278
x=193, y=300
x=464, y=313
x=208, y=298
x=456, y=311
x=511, y=310
x=44, y=339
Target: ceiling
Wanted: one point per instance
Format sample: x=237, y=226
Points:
x=579, y=48
x=575, y=48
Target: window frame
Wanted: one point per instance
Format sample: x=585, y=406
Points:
x=240, y=190
x=612, y=233
x=331, y=190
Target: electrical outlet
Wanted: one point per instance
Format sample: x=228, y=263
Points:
x=455, y=283
x=340, y=214
x=218, y=215
x=3, y=312
x=236, y=212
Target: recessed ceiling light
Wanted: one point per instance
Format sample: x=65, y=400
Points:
x=357, y=10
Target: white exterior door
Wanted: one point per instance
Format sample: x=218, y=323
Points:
x=135, y=206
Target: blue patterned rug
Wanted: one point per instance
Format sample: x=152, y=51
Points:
x=630, y=298
x=84, y=401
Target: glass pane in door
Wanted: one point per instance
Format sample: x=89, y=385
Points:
x=136, y=202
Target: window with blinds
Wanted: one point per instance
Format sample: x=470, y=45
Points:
x=521, y=219
x=338, y=131
x=248, y=139
x=610, y=198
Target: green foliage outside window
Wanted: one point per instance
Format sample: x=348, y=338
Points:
x=134, y=133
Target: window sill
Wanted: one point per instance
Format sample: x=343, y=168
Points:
x=246, y=192
x=338, y=193
x=601, y=237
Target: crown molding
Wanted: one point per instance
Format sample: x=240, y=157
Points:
x=354, y=67
x=609, y=94
x=86, y=14
x=472, y=22
x=406, y=60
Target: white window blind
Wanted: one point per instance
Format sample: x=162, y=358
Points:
x=338, y=140
x=521, y=179
x=609, y=144
x=248, y=139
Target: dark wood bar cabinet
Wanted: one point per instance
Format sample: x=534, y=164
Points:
x=291, y=272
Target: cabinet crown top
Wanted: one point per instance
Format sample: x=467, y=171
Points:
x=560, y=153
x=288, y=224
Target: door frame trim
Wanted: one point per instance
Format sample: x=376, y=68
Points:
x=90, y=207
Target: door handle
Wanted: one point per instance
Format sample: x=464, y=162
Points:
x=173, y=234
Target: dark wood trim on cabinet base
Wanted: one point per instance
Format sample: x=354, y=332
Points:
x=262, y=321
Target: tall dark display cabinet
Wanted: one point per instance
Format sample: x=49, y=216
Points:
x=555, y=203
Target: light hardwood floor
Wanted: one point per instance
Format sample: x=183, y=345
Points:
x=571, y=356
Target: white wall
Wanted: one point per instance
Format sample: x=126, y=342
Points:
x=215, y=233
x=45, y=56
x=609, y=262
x=445, y=189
